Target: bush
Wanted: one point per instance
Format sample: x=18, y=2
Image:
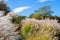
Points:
x=18, y=19
x=40, y=29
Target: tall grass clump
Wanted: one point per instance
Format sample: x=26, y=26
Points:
x=7, y=28
x=39, y=29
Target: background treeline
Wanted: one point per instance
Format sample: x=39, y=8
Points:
x=44, y=12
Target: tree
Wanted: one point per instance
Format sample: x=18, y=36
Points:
x=31, y=15
x=4, y=7
x=44, y=11
x=36, y=16
x=17, y=20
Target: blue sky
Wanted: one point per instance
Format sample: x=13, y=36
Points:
x=26, y=7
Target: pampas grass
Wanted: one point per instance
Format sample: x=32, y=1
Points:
x=39, y=29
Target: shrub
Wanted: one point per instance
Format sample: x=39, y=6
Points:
x=17, y=19
x=40, y=29
x=26, y=29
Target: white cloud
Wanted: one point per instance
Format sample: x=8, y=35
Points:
x=20, y=9
x=45, y=0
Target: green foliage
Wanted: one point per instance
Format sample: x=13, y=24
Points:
x=46, y=10
x=4, y=7
x=26, y=29
x=18, y=19
x=37, y=16
x=58, y=34
x=31, y=15
x=43, y=12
